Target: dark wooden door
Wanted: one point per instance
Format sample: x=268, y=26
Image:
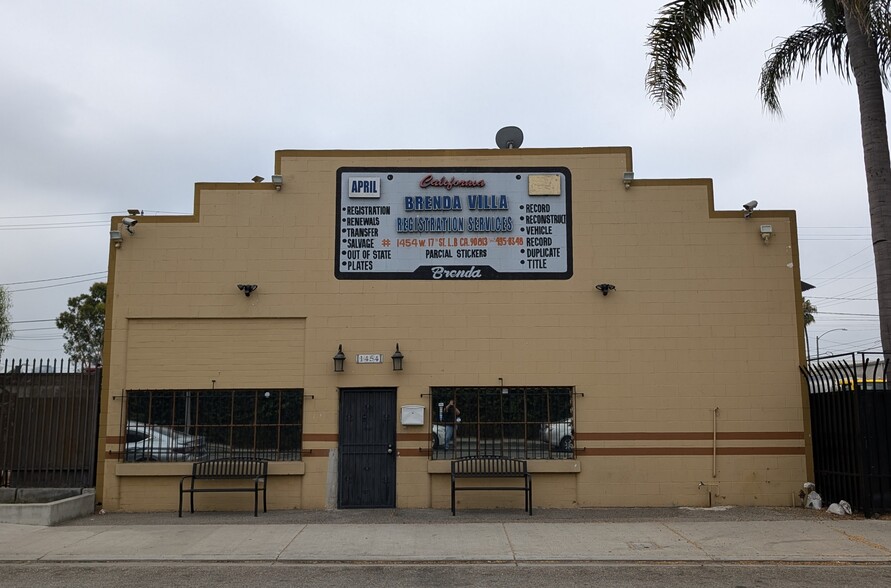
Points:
x=367, y=448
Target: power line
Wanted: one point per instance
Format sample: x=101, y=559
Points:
x=836, y=238
x=837, y=298
x=106, y=212
x=848, y=273
x=83, y=225
x=53, y=279
x=814, y=276
x=36, y=329
x=51, y=286
x=59, y=215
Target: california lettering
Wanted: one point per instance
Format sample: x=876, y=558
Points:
x=430, y=182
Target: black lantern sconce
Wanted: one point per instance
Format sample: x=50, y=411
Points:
x=397, y=359
x=339, y=358
x=605, y=288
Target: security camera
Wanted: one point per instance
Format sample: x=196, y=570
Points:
x=129, y=223
x=749, y=207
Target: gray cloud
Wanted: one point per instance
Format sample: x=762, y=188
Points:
x=109, y=105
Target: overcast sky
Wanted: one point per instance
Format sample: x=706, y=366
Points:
x=109, y=105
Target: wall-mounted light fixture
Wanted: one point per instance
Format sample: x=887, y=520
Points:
x=627, y=178
x=257, y=179
x=749, y=207
x=397, y=359
x=134, y=211
x=605, y=288
x=766, y=233
x=116, y=237
x=339, y=358
x=277, y=182
x=247, y=288
x=129, y=223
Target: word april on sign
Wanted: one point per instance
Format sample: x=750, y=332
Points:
x=365, y=187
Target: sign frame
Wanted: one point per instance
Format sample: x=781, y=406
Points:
x=449, y=271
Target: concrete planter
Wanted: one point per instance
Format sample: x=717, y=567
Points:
x=45, y=506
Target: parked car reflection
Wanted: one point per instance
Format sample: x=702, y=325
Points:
x=438, y=436
x=159, y=443
x=558, y=435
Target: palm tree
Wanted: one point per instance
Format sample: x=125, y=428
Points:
x=854, y=38
x=809, y=310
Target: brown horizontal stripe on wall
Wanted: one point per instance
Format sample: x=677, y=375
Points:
x=114, y=440
x=414, y=452
x=746, y=436
x=413, y=436
x=616, y=451
x=320, y=437
x=314, y=452
x=690, y=436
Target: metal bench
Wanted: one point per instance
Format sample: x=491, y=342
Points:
x=492, y=466
x=246, y=469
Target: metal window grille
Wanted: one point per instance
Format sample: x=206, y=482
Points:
x=192, y=425
x=525, y=423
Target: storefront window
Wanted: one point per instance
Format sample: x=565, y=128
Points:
x=192, y=425
x=526, y=423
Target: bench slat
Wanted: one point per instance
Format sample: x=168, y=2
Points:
x=488, y=466
x=247, y=468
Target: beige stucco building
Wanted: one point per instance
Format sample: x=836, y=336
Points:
x=674, y=383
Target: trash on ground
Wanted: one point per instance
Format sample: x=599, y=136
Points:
x=840, y=508
x=814, y=501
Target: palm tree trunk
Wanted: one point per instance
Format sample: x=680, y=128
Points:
x=876, y=159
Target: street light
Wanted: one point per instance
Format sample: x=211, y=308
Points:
x=823, y=335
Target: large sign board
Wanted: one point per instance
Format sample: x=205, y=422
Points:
x=453, y=223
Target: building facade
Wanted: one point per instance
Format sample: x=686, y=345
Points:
x=636, y=346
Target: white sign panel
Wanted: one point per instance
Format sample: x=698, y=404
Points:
x=453, y=223
x=365, y=187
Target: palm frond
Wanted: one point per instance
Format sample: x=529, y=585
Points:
x=832, y=9
x=823, y=44
x=859, y=9
x=672, y=42
x=880, y=32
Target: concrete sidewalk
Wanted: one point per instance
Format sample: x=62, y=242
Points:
x=744, y=535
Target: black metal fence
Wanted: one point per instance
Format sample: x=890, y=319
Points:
x=850, y=418
x=48, y=424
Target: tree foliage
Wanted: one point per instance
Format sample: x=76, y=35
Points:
x=5, y=320
x=824, y=45
x=84, y=325
x=809, y=310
